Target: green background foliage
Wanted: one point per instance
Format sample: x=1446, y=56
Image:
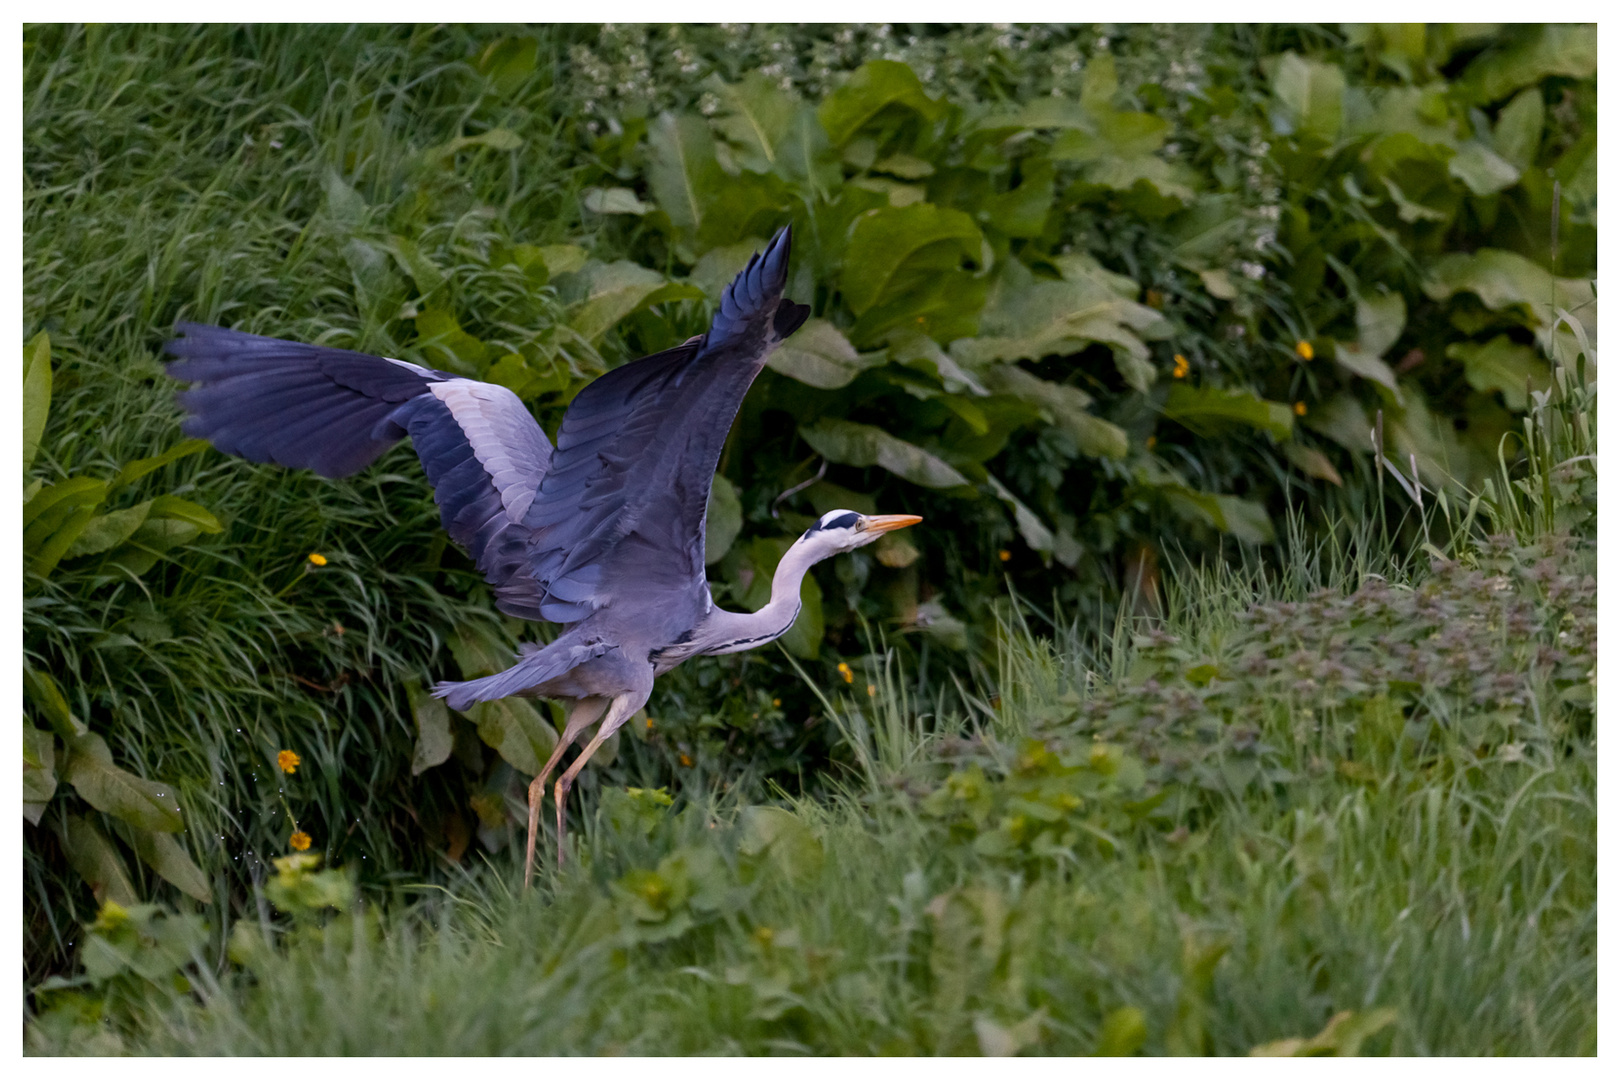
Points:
x=1089, y=299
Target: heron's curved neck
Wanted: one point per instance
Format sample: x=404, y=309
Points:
x=732, y=631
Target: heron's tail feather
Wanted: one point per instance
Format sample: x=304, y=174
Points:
x=534, y=669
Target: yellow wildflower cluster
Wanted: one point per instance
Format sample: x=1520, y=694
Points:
x=299, y=841
x=317, y=559
x=843, y=669
x=1182, y=367
x=287, y=761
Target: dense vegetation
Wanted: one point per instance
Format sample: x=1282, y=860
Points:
x=1208, y=342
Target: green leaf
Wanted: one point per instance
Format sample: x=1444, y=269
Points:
x=755, y=117
x=41, y=689
x=1501, y=364
x=1312, y=462
x=106, y=531
x=1481, y=170
x=682, y=169
x=563, y=258
x=892, y=250
x=614, y=200
x=1518, y=129
x=616, y=290
x=343, y=203
x=872, y=88
x=439, y=332
x=1022, y=211
x=137, y=469
x=847, y=443
x=36, y=394
x=508, y=61
x=1310, y=96
x=74, y=492
x=426, y=275
x=1344, y=420
x=97, y=861
x=1025, y=319
x=1211, y=410
x=806, y=157
x=143, y=803
x=722, y=521
x=1380, y=318
x=433, y=739
x=922, y=353
x=1245, y=520
x=39, y=771
x=1030, y=527
x=784, y=839
x=1507, y=281
x=514, y=728
x=1539, y=51
x=174, y=508
x=819, y=355
x=493, y=139
x=1064, y=406
x=56, y=545
x=1367, y=365
x=943, y=305
x=1121, y=1033
x=479, y=650
x=170, y=861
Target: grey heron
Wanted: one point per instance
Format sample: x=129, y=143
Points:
x=603, y=533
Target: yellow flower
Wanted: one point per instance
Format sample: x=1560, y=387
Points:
x=776, y=703
x=1299, y=408
x=299, y=840
x=1304, y=350
x=317, y=559
x=287, y=761
x=686, y=761
x=1004, y=554
x=1153, y=440
x=871, y=691
x=843, y=669
x=1182, y=367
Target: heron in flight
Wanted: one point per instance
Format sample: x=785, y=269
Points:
x=602, y=533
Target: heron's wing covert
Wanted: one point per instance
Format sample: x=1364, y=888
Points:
x=336, y=411
x=621, y=511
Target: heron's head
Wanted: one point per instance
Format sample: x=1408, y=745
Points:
x=844, y=530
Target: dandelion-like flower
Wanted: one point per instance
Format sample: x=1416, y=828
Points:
x=317, y=559
x=1304, y=351
x=299, y=841
x=287, y=761
x=1004, y=555
x=843, y=669
x=1182, y=367
x=1299, y=408
x=686, y=761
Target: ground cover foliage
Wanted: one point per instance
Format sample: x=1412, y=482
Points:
x=1091, y=300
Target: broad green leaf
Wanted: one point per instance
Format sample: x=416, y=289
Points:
x=1310, y=97
x=943, y=305
x=1539, y=51
x=53, y=547
x=1025, y=319
x=1218, y=283
x=616, y=290
x=1312, y=462
x=1030, y=526
x=1022, y=211
x=32, y=488
x=873, y=87
x=493, y=139
x=422, y=270
x=143, y=803
x=563, y=258
x=922, y=353
x=615, y=200
x=97, y=861
x=1501, y=364
x=1344, y=420
x=1245, y=520
x=755, y=117
x=433, y=738
x=514, y=729
x=150, y=542
x=165, y=855
x=1481, y=170
x=849, y=443
x=439, y=332
x=784, y=839
x=39, y=771
x=1517, y=136
x=343, y=203
x=1211, y=410
x=41, y=689
x=1065, y=406
x=36, y=394
x=819, y=355
x=741, y=206
x=1365, y=364
x=893, y=249
x=1412, y=429
x=723, y=520
x=106, y=531
x=1380, y=318
x=1121, y=1033
x=175, y=508
x=1505, y=280
x=480, y=650
x=682, y=169
x=69, y=494
x=508, y=61
x=805, y=157
x=137, y=469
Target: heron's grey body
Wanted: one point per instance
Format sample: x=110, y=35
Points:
x=603, y=533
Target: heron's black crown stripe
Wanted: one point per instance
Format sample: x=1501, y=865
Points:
x=842, y=521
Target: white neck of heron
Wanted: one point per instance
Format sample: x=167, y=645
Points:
x=731, y=631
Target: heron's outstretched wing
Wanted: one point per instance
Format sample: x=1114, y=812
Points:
x=621, y=512
x=335, y=411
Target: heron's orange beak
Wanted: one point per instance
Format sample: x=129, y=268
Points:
x=889, y=522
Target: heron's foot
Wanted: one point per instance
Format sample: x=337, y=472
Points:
x=537, y=795
x=561, y=792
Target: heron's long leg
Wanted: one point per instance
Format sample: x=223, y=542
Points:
x=582, y=716
x=623, y=706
